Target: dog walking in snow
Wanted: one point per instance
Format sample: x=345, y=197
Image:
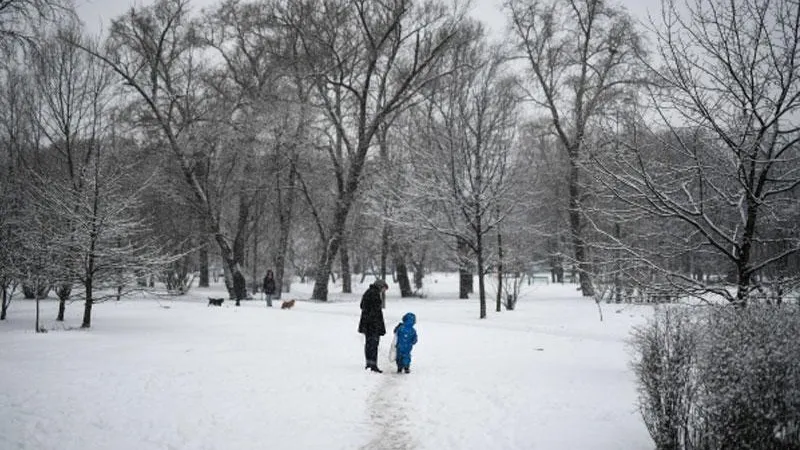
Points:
x=287, y=304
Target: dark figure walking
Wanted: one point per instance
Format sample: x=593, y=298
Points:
x=269, y=287
x=371, y=324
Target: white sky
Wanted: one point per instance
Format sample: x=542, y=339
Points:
x=97, y=13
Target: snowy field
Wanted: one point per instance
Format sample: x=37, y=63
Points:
x=156, y=373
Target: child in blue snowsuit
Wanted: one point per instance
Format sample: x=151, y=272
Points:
x=406, y=338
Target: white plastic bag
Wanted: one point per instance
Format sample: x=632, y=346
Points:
x=393, y=349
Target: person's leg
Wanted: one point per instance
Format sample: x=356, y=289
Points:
x=366, y=349
x=404, y=361
x=269, y=300
x=371, y=350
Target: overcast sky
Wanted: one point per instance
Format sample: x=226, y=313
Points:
x=97, y=13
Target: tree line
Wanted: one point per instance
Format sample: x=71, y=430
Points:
x=325, y=138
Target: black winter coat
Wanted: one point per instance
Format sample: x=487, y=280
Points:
x=269, y=285
x=371, y=322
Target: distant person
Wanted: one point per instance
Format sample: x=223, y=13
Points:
x=371, y=324
x=405, y=338
x=269, y=287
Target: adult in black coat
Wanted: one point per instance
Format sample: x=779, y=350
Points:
x=269, y=287
x=371, y=324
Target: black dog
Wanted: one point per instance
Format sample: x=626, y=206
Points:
x=215, y=301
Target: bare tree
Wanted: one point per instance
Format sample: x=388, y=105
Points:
x=580, y=54
x=74, y=93
x=726, y=168
x=36, y=253
x=465, y=174
x=20, y=19
x=263, y=71
x=9, y=268
x=154, y=51
x=18, y=136
x=106, y=239
x=367, y=60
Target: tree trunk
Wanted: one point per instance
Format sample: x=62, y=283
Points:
x=320, y=291
x=744, y=273
x=239, y=287
x=90, y=269
x=419, y=274
x=481, y=275
x=464, y=274
x=280, y=263
x=204, y=269
x=240, y=239
x=87, y=306
x=403, y=280
x=38, y=328
x=499, y=270
x=557, y=264
x=233, y=257
x=330, y=250
x=617, y=266
x=344, y=254
x=254, y=269
x=232, y=269
x=63, y=293
x=385, y=235
x=576, y=225
x=402, y=272
x=285, y=213
x=4, y=305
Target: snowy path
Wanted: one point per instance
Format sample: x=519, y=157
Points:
x=389, y=410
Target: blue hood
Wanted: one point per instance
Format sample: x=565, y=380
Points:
x=409, y=319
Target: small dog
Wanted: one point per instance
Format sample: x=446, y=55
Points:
x=287, y=304
x=215, y=301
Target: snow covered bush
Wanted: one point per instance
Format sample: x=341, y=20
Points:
x=751, y=378
x=720, y=377
x=665, y=370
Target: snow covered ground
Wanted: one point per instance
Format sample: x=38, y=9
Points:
x=156, y=373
